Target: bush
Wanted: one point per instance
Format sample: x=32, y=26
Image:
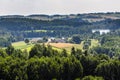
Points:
x=92, y=78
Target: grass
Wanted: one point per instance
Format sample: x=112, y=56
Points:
x=76, y=46
x=38, y=31
x=22, y=45
x=94, y=43
x=66, y=46
x=56, y=46
x=58, y=49
x=61, y=45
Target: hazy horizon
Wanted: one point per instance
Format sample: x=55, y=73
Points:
x=51, y=7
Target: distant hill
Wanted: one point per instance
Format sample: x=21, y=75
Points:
x=89, y=16
x=17, y=27
x=59, y=25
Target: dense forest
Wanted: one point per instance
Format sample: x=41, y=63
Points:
x=45, y=63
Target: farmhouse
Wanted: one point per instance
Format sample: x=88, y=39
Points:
x=101, y=31
x=56, y=40
x=50, y=40
x=34, y=40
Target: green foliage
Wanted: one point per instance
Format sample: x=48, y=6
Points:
x=18, y=70
x=92, y=78
x=109, y=45
x=13, y=69
x=109, y=70
x=45, y=63
x=89, y=64
x=3, y=53
x=42, y=50
x=49, y=68
x=10, y=49
x=27, y=41
x=72, y=69
x=36, y=50
x=103, y=57
x=64, y=53
x=86, y=44
x=73, y=51
x=76, y=39
x=20, y=54
x=4, y=38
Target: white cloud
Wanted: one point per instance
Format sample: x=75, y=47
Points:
x=57, y=6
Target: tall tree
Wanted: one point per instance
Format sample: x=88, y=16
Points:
x=76, y=39
x=27, y=41
x=10, y=49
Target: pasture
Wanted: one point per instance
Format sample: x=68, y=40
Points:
x=57, y=46
x=22, y=45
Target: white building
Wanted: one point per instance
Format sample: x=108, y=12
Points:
x=101, y=31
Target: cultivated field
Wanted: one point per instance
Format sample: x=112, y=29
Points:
x=66, y=46
x=60, y=45
x=57, y=46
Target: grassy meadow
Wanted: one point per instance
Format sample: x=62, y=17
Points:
x=22, y=45
x=57, y=46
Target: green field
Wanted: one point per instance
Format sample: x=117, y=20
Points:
x=67, y=46
x=94, y=43
x=76, y=46
x=57, y=46
x=38, y=31
x=22, y=45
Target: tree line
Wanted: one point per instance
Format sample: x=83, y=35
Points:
x=45, y=63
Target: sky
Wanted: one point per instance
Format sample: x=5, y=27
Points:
x=50, y=7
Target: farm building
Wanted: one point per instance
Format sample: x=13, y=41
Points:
x=34, y=40
x=56, y=40
x=101, y=31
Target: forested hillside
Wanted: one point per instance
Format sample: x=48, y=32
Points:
x=60, y=47
x=76, y=21
x=20, y=27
